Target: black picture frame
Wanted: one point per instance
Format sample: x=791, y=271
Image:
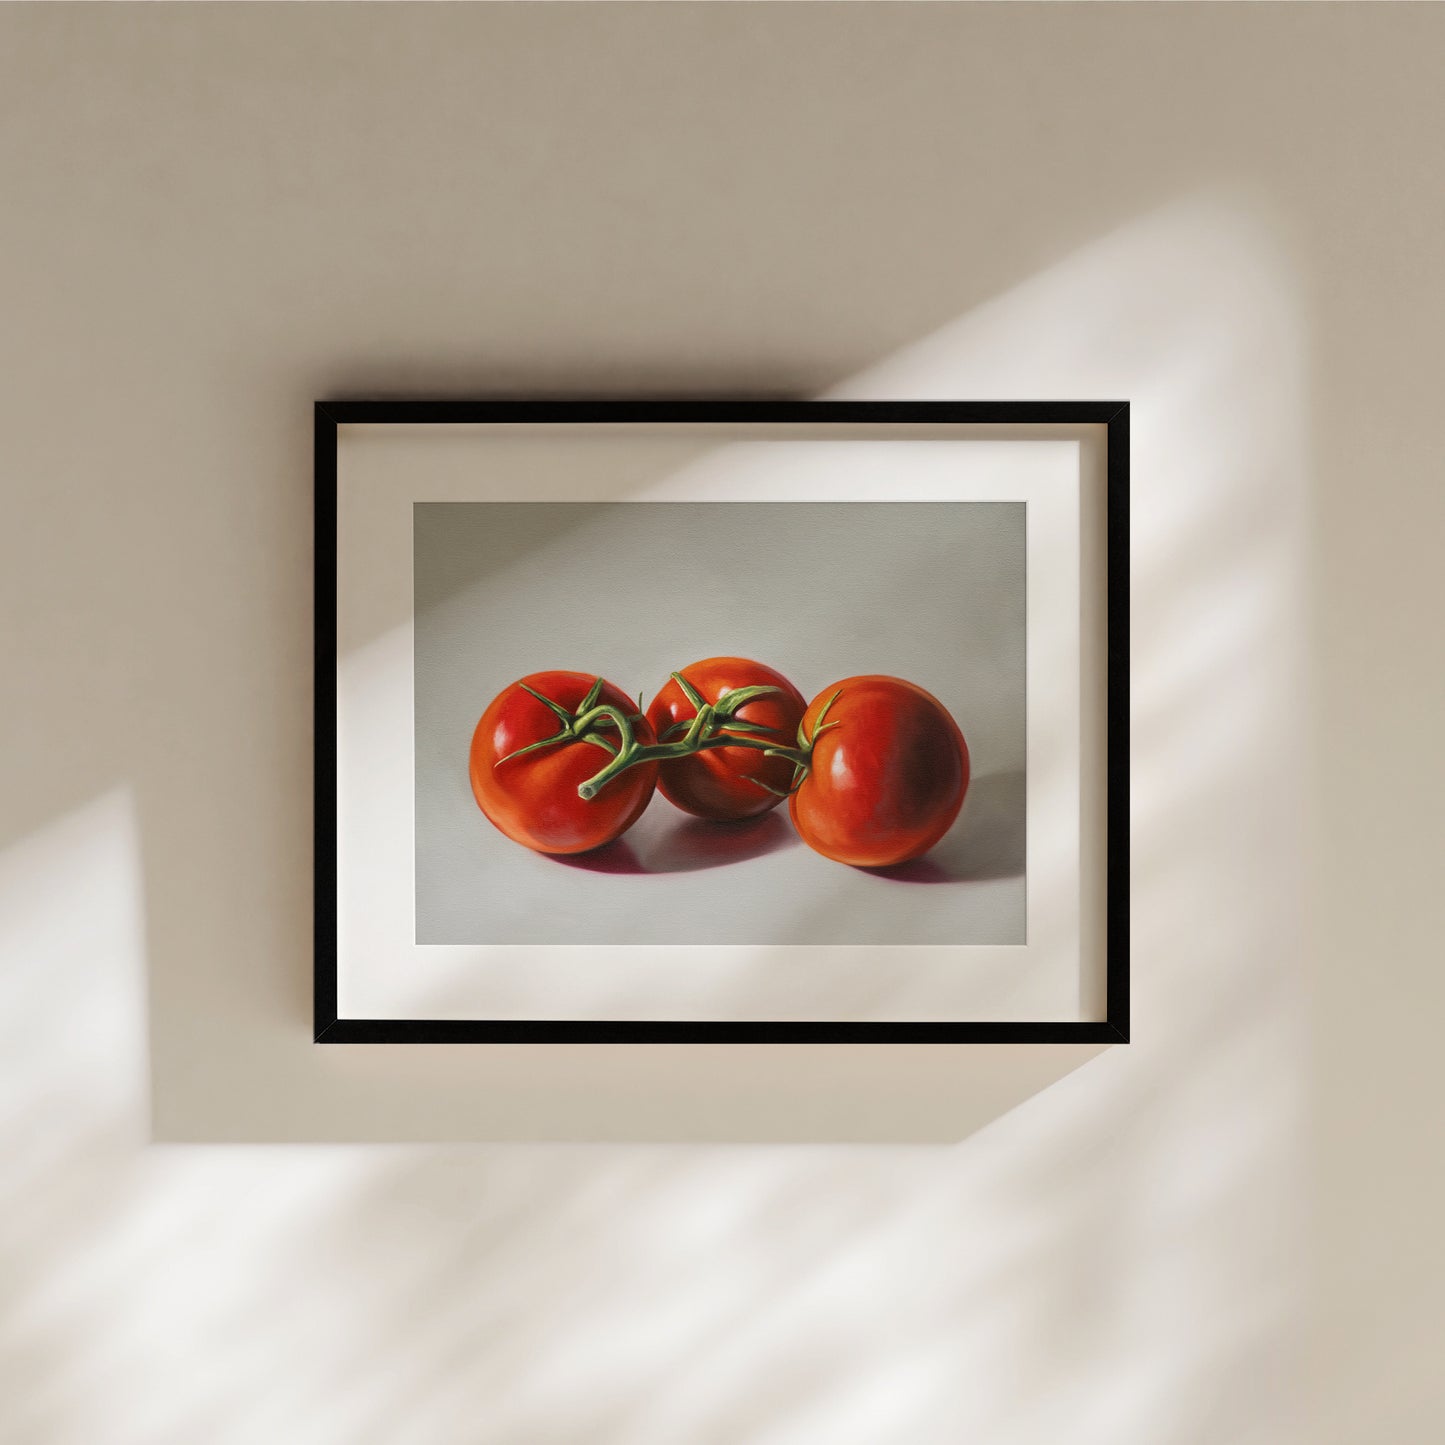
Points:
x=1113, y=415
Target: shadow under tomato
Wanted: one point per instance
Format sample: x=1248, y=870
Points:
x=688, y=844
x=614, y=857
x=667, y=841
x=986, y=843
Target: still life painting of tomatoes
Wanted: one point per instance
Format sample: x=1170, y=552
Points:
x=733, y=723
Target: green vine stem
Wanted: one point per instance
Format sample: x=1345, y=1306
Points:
x=716, y=725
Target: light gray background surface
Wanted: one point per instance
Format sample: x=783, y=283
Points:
x=933, y=592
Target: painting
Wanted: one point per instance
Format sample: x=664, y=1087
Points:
x=685, y=724
x=808, y=730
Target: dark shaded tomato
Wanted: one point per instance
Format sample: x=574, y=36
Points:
x=887, y=775
x=533, y=798
x=719, y=782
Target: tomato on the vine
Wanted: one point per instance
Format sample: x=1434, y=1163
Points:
x=721, y=782
x=886, y=772
x=538, y=742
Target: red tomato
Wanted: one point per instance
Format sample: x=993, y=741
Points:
x=887, y=776
x=718, y=782
x=533, y=798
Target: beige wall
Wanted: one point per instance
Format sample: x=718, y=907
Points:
x=1226, y=1232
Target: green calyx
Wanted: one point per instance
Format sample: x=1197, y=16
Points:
x=591, y=723
x=802, y=755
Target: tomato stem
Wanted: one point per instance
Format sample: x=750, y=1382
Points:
x=715, y=725
x=702, y=733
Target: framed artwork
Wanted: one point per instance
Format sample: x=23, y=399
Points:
x=721, y=721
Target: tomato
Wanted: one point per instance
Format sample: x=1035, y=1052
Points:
x=532, y=796
x=728, y=783
x=887, y=774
